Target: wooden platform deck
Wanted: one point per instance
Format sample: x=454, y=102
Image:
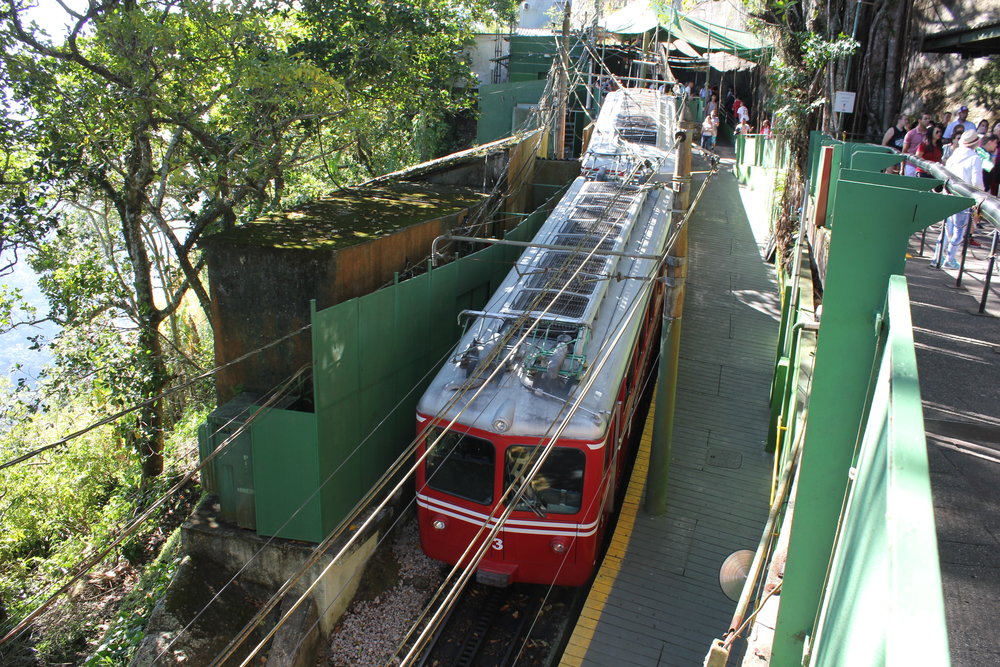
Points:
x=656, y=599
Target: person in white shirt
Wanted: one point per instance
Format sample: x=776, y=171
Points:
x=966, y=164
x=709, y=130
x=743, y=114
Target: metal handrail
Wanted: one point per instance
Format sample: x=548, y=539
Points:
x=989, y=206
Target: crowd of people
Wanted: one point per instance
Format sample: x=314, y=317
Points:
x=731, y=108
x=970, y=151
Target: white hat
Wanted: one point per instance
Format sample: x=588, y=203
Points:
x=970, y=138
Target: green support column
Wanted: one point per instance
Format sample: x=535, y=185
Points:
x=871, y=223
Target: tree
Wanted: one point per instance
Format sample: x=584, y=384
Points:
x=402, y=66
x=802, y=76
x=178, y=117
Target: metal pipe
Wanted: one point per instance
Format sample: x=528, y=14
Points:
x=529, y=244
x=760, y=554
x=989, y=272
x=989, y=206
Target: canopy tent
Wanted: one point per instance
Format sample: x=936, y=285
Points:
x=695, y=38
x=709, y=37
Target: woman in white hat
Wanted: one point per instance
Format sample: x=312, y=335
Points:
x=966, y=164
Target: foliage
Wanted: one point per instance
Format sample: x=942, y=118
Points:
x=983, y=87
x=797, y=81
x=126, y=630
x=401, y=64
x=64, y=505
x=160, y=121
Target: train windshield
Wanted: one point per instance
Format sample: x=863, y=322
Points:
x=461, y=465
x=558, y=486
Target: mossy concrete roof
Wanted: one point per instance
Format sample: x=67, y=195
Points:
x=351, y=216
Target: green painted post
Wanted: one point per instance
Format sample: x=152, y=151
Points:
x=871, y=226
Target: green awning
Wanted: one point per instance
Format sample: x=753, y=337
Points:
x=708, y=37
x=640, y=16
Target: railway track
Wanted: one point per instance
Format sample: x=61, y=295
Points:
x=498, y=627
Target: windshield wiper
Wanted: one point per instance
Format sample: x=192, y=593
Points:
x=534, y=503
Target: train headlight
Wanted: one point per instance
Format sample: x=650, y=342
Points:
x=558, y=545
x=439, y=523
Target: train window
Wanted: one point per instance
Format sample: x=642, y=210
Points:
x=558, y=486
x=461, y=465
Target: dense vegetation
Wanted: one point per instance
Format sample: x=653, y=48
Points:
x=126, y=137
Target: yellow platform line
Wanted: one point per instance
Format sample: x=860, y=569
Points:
x=583, y=633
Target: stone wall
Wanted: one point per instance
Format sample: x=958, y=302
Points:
x=261, y=293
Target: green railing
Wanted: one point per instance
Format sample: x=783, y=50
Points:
x=842, y=566
x=882, y=604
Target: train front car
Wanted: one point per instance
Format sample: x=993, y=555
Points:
x=563, y=348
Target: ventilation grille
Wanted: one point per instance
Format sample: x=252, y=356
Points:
x=586, y=242
x=593, y=213
x=557, y=267
x=592, y=227
x=567, y=305
x=547, y=330
x=637, y=128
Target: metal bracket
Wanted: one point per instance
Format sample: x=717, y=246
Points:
x=674, y=260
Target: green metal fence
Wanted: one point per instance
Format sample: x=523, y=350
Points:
x=882, y=603
x=822, y=398
x=373, y=357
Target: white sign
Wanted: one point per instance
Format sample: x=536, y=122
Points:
x=843, y=101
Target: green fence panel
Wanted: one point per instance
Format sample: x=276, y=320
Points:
x=286, y=475
x=374, y=356
x=503, y=107
x=883, y=603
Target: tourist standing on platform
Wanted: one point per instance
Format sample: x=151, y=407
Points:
x=765, y=129
x=710, y=130
x=705, y=92
x=950, y=147
x=712, y=105
x=966, y=164
x=930, y=148
x=989, y=152
x=894, y=135
x=914, y=138
x=946, y=119
x=742, y=113
x=958, y=126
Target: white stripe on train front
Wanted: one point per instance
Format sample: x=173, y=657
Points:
x=511, y=525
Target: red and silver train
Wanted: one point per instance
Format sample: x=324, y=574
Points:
x=572, y=330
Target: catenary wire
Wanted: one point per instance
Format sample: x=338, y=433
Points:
x=425, y=454
x=389, y=531
x=82, y=568
x=480, y=552
x=244, y=633
x=149, y=401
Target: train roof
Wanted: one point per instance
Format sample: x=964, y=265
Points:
x=568, y=296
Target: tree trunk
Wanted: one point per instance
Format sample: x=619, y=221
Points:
x=148, y=437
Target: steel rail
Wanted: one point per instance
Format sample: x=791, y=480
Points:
x=529, y=244
x=988, y=205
